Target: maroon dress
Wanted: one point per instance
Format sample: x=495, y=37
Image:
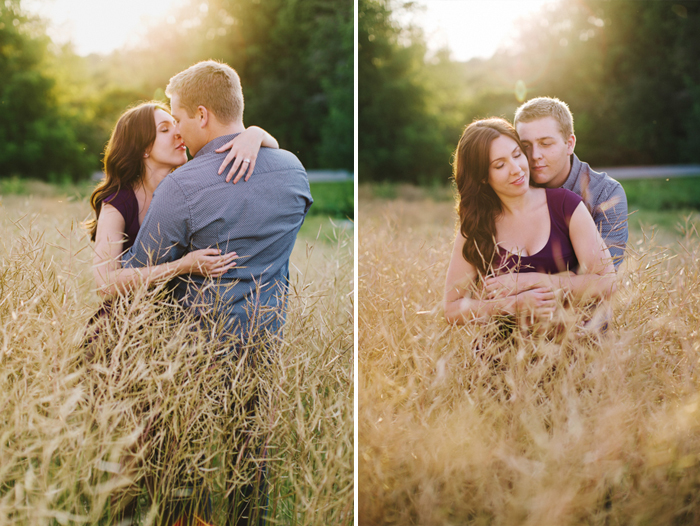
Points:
x=558, y=254
x=128, y=206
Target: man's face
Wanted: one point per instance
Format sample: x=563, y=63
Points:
x=189, y=127
x=547, y=151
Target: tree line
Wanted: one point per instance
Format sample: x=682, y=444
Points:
x=627, y=69
x=295, y=60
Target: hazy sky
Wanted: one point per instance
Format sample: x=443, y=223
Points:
x=98, y=26
x=472, y=28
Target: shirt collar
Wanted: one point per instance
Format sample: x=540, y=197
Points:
x=215, y=144
x=574, y=173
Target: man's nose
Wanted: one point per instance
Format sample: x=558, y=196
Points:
x=535, y=152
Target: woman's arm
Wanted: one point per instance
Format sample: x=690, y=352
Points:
x=111, y=279
x=462, y=303
x=596, y=276
x=245, y=147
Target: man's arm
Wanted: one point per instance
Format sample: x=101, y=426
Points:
x=610, y=217
x=164, y=235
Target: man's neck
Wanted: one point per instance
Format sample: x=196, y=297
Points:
x=560, y=179
x=219, y=130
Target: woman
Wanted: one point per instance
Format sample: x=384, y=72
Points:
x=143, y=149
x=517, y=245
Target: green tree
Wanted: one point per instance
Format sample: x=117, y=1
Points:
x=628, y=71
x=399, y=139
x=295, y=59
x=39, y=138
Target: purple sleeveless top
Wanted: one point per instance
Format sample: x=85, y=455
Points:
x=125, y=201
x=558, y=254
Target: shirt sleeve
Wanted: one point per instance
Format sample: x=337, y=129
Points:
x=610, y=217
x=164, y=235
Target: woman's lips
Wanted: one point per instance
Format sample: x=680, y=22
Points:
x=181, y=147
x=520, y=180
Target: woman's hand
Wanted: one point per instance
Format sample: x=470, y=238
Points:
x=244, y=151
x=208, y=262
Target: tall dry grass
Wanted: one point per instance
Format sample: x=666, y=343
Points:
x=153, y=406
x=460, y=425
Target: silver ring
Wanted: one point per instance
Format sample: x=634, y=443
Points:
x=246, y=160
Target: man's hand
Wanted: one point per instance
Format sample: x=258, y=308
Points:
x=510, y=284
x=537, y=304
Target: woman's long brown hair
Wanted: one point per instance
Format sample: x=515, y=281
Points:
x=123, y=162
x=479, y=206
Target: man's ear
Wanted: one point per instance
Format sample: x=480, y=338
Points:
x=570, y=144
x=203, y=115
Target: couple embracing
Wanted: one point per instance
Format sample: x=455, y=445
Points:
x=159, y=217
x=535, y=223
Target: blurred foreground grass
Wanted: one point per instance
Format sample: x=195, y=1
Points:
x=158, y=403
x=458, y=425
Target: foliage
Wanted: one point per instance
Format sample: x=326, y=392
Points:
x=295, y=60
x=38, y=136
x=399, y=138
x=334, y=199
x=663, y=194
x=461, y=425
x=627, y=69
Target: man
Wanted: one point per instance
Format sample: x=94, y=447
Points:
x=546, y=128
x=195, y=208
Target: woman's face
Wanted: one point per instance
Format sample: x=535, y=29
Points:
x=509, y=174
x=168, y=150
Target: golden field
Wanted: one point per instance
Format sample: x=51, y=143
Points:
x=459, y=425
x=158, y=404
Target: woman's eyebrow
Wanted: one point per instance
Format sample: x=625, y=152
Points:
x=502, y=158
x=162, y=122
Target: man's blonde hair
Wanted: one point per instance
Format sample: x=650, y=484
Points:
x=541, y=107
x=211, y=84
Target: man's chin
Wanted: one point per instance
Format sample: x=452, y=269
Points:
x=540, y=179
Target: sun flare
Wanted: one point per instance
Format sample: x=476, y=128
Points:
x=472, y=28
x=99, y=26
